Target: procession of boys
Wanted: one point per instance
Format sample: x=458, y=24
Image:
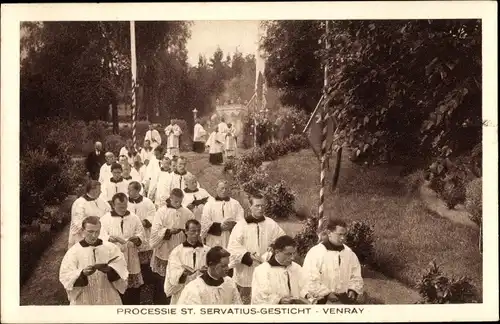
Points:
x=145, y=219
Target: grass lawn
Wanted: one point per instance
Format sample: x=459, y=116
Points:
x=407, y=236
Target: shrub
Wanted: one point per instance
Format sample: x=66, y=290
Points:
x=230, y=164
x=256, y=185
x=270, y=151
x=244, y=171
x=436, y=288
x=279, y=201
x=307, y=238
x=32, y=246
x=414, y=181
x=360, y=239
x=254, y=157
x=474, y=200
x=113, y=143
x=75, y=173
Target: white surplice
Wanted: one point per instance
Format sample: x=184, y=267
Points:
x=139, y=174
x=166, y=219
x=206, y=290
x=199, y=133
x=183, y=254
x=215, y=212
x=160, y=187
x=173, y=133
x=153, y=137
x=144, y=208
x=112, y=187
x=105, y=173
x=84, y=207
x=248, y=236
x=328, y=271
x=179, y=180
x=146, y=154
x=222, y=127
x=152, y=170
x=124, y=151
x=272, y=281
x=98, y=290
x=215, y=143
x=125, y=227
x=198, y=198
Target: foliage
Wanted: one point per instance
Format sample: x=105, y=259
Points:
x=113, y=143
x=431, y=68
x=75, y=174
x=436, y=288
x=474, y=200
x=279, y=201
x=308, y=237
x=360, y=238
x=31, y=248
x=42, y=183
x=293, y=65
x=257, y=184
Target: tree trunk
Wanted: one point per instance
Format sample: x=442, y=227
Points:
x=336, y=172
x=114, y=116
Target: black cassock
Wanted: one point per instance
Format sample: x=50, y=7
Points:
x=94, y=163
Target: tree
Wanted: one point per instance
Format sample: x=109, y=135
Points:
x=405, y=88
x=293, y=65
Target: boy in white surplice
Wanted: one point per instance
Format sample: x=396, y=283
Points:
x=219, y=216
x=195, y=197
x=186, y=262
x=166, y=233
x=279, y=280
x=213, y=287
x=93, y=272
x=125, y=230
x=145, y=209
x=248, y=242
x=332, y=270
x=115, y=184
x=89, y=204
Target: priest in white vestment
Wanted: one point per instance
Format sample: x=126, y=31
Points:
x=115, y=184
x=332, y=270
x=199, y=137
x=166, y=233
x=161, y=183
x=93, y=271
x=126, y=231
x=153, y=136
x=195, y=197
x=105, y=171
x=186, y=262
x=213, y=287
x=152, y=169
x=219, y=216
x=173, y=132
x=146, y=152
x=215, y=144
x=248, y=242
x=145, y=209
x=230, y=142
x=279, y=280
x=89, y=204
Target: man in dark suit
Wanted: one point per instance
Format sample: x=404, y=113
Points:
x=94, y=161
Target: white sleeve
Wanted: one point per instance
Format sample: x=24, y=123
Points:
x=262, y=288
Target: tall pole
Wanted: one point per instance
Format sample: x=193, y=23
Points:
x=133, y=69
x=324, y=128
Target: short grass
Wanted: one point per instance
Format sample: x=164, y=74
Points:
x=407, y=236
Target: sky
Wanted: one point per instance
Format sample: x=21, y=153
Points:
x=229, y=35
